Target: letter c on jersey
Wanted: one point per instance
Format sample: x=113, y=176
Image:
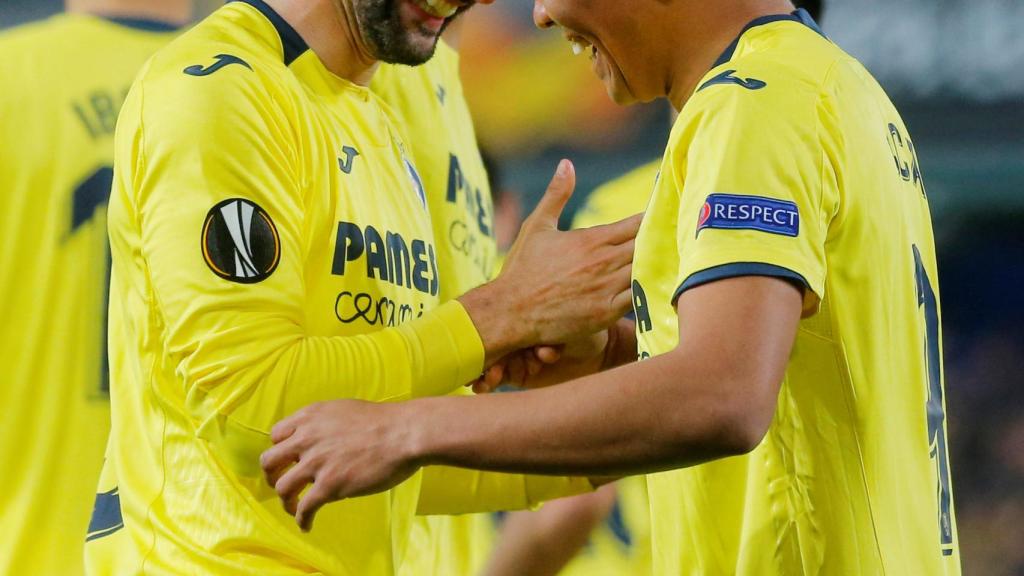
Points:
x=240, y=242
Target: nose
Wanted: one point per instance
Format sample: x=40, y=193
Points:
x=540, y=15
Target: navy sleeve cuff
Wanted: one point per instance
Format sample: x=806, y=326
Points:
x=737, y=269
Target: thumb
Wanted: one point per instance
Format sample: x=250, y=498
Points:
x=550, y=207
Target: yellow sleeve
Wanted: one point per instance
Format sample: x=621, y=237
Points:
x=448, y=490
x=752, y=200
x=241, y=350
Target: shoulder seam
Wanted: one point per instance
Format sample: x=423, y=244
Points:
x=821, y=95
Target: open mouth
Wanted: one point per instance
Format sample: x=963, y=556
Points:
x=580, y=45
x=437, y=8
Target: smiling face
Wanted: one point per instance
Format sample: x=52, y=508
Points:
x=609, y=33
x=405, y=31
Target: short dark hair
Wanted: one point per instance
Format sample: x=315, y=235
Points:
x=814, y=7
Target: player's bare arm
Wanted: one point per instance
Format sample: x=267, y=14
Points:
x=713, y=396
x=541, y=543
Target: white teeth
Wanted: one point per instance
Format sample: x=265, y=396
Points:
x=577, y=48
x=439, y=8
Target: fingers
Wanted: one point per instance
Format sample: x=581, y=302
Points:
x=621, y=255
x=515, y=368
x=490, y=380
x=276, y=459
x=285, y=428
x=548, y=354
x=549, y=209
x=533, y=364
x=293, y=482
x=623, y=302
x=272, y=475
x=621, y=231
x=310, y=503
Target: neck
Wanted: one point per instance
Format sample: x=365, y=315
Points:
x=176, y=12
x=329, y=28
x=706, y=34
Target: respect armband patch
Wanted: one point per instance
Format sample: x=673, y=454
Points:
x=739, y=212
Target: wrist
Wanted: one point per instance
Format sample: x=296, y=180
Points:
x=495, y=314
x=621, y=347
x=414, y=439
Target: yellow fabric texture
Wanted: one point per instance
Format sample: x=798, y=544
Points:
x=272, y=248
x=621, y=544
x=435, y=118
x=852, y=475
x=64, y=79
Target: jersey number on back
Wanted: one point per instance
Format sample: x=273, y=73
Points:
x=87, y=200
x=935, y=411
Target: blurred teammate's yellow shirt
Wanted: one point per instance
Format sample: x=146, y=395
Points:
x=622, y=543
x=620, y=198
x=63, y=81
x=428, y=101
x=790, y=161
x=272, y=247
x=435, y=118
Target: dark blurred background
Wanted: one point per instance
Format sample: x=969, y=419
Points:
x=954, y=69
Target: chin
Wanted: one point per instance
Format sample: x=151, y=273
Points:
x=620, y=94
x=415, y=50
x=425, y=45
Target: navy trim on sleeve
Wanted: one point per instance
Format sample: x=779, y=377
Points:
x=143, y=24
x=293, y=44
x=799, y=15
x=736, y=270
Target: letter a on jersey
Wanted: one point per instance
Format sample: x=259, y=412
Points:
x=240, y=242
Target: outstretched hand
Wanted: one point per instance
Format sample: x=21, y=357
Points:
x=339, y=449
x=556, y=286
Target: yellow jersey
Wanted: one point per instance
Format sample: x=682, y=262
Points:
x=63, y=79
x=620, y=198
x=790, y=161
x=430, y=105
x=622, y=543
x=429, y=102
x=272, y=247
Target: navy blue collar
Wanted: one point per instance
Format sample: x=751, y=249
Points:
x=294, y=45
x=799, y=15
x=143, y=24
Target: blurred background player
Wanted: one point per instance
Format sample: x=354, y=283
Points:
x=442, y=143
x=64, y=80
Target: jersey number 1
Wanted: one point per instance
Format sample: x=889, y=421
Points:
x=88, y=198
x=936, y=414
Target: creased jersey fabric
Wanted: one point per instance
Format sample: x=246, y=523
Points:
x=64, y=79
x=272, y=247
x=435, y=118
x=790, y=161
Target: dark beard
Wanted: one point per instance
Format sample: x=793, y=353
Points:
x=390, y=42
